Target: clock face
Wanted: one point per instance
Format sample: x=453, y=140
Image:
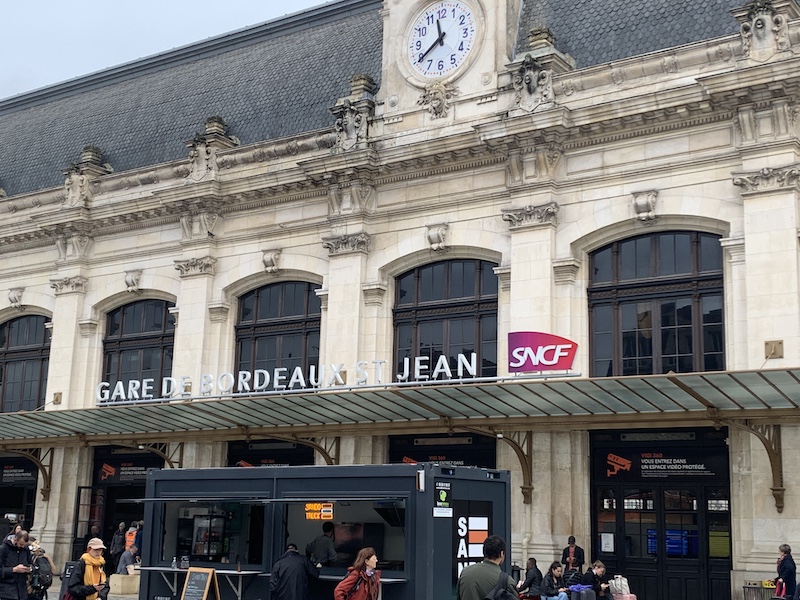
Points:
x=441, y=38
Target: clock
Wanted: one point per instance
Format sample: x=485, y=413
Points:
x=441, y=38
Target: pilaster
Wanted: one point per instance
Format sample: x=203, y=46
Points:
x=63, y=371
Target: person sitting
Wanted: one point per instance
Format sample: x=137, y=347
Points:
x=127, y=558
x=594, y=578
x=533, y=579
x=553, y=587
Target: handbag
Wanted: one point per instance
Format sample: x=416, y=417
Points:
x=67, y=596
x=500, y=591
x=780, y=590
x=619, y=585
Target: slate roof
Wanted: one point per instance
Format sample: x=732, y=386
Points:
x=280, y=78
x=269, y=81
x=594, y=32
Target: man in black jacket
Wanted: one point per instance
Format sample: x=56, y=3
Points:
x=15, y=565
x=290, y=575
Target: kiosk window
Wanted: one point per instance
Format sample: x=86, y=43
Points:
x=218, y=532
x=357, y=524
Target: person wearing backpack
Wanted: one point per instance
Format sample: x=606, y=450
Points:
x=42, y=569
x=479, y=580
x=15, y=566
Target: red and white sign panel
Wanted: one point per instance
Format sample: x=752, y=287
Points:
x=535, y=351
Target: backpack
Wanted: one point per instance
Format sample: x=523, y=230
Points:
x=499, y=592
x=41, y=576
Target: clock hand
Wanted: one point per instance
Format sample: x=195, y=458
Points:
x=438, y=40
x=441, y=35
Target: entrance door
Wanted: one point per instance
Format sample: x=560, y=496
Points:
x=662, y=518
x=89, y=510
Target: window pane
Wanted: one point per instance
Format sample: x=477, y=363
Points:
x=710, y=253
x=601, y=266
x=488, y=279
x=405, y=289
x=23, y=378
x=431, y=282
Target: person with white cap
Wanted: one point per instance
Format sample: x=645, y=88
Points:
x=88, y=579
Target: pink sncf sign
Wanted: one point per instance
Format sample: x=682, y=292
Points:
x=536, y=351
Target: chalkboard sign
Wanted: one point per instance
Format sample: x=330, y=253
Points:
x=198, y=585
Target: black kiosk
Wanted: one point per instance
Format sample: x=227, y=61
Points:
x=426, y=522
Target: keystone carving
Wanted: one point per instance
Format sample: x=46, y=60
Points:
x=764, y=31
x=644, y=205
x=531, y=215
x=270, y=259
x=15, y=298
x=196, y=266
x=132, y=279
x=436, y=98
x=69, y=285
x=436, y=235
x=768, y=178
x=347, y=244
x=533, y=85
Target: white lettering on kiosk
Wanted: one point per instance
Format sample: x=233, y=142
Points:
x=261, y=380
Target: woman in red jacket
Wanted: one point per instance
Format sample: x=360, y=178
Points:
x=363, y=580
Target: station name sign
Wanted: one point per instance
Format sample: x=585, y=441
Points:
x=418, y=368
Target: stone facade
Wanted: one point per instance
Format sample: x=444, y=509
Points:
x=527, y=161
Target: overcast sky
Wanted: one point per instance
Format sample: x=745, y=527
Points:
x=50, y=41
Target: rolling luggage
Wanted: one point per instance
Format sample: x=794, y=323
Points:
x=583, y=595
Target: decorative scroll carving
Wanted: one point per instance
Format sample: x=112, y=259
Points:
x=199, y=226
x=764, y=32
x=436, y=98
x=644, y=205
x=768, y=178
x=436, y=236
x=79, y=175
x=350, y=197
x=270, y=260
x=545, y=213
x=196, y=266
x=132, y=279
x=69, y=285
x=15, y=298
x=346, y=244
x=533, y=85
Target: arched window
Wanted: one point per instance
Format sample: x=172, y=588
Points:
x=278, y=327
x=138, y=343
x=656, y=305
x=446, y=309
x=24, y=354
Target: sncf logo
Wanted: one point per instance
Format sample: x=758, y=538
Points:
x=535, y=351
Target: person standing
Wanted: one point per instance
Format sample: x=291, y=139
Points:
x=117, y=545
x=572, y=557
x=88, y=579
x=15, y=565
x=290, y=576
x=363, y=579
x=787, y=570
x=321, y=550
x=477, y=580
x=138, y=539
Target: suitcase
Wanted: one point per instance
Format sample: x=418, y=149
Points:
x=583, y=595
x=624, y=596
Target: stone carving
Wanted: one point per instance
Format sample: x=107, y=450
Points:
x=196, y=266
x=203, y=149
x=764, y=32
x=353, y=114
x=644, y=205
x=199, y=226
x=80, y=242
x=79, y=175
x=528, y=215
x=533, y=85
x=15, y=297
x=436, y=98
x=346, y=244
x=2, y=193
x=436, y=237
x=349, y=197
x=69, y=285
x=270, y=259
x=61, y=246
x=132, y=279
x=768, y=178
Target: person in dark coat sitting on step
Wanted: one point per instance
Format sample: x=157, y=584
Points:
x=290, y=575
x=594, y=577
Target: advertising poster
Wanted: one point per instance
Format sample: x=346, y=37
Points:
x=472, y=524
